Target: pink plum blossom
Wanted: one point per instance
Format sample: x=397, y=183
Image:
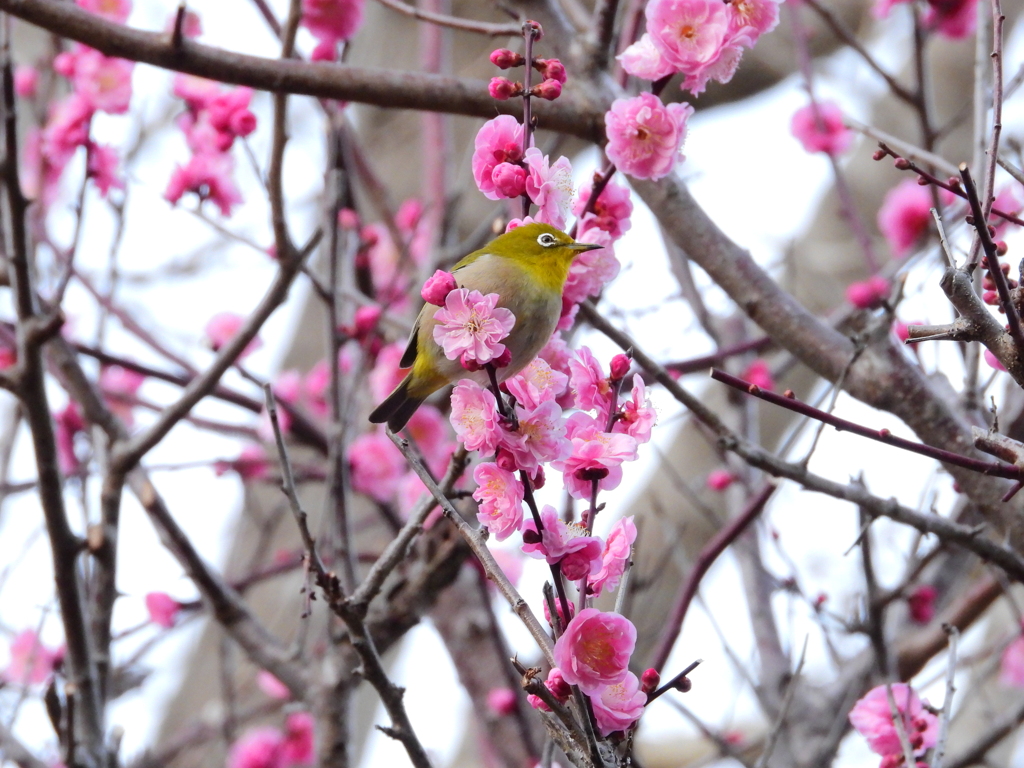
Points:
x=298, y=745
x=207, y=175
x=102, y=168
x=637, y=417
x=720, y=479
x=472, y=324
x=386, y=375
x=594, y=650
x=501, y=701
x=540, y=437
x=31, y=661
x=69, y=423
x=564, y=544
x=251, y=464
x=752, y=18
x=590, y=385
x=271, y=686
x=115, y=10
x=921, y=603
x=26, y=81
x=819, y=127
x=499, y=141
x=104, y=82
x=611, y=212
x=509, y=180
x=645, y=137
x=869, y=293
x=643, y=59
x=475, y=417
x=501, y=500
x=759, y=374
x=223, y=327
x=411, y=491
x=615, y=557
x=555, y=683
x=331, y=21
x=872, y=718
x=596, y=455
x=437, y=287
x=377, y=466
x=549, y=186
x=618, y=706
x=537, y=383
x=905, y=215
x=119, y=386
x=163, y=609
x=8, y=358
x=954, y=19
x=429, y=429
x=695, y=38
x=257, y=748
x=592, y=270
x=993, y=361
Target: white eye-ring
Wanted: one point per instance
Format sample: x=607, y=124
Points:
x=546, y=240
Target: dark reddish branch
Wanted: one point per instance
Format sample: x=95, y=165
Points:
x=705, y=559
x=367, y=85
x=702, y=363
x=993, y=469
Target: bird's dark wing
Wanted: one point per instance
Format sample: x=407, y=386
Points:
x=409, y=356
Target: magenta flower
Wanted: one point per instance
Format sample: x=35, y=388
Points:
x=223, y=327
x=637, y=417
x=869, y=293
x=31, y=661
x=549, y=186
x=693, y=36
x=759, y=374
x=594, y=650
x=104, y=82
x=617, y=707
x=257, y=748
x=102, y=168
x=749, y=19
x=501, y=701
x=271, y=686
x=472, y=323
x=377, y=466
x=596, y=455
x=437, y=287
x=819, y=127
x=644, y=136
x=297, y=746
x=872, y=718
x=905, y=215
x=921, y=603
x=501, y=500
x=386, y=375
x=615, y=557
x=590, y=385
x=611, y=211
x=565, y=544
x=163, y=609
x=499, y=141
x=643, y=59
x=115, y=10
x=720, y=479
x=331, y=21
x=26, y=81
x=208, y=176
x=540, y=438
x=537, y=383
x=475, y=417
x=954, y=19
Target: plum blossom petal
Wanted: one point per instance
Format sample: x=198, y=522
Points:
x=645, y=138
x=501, y=500
x=594, y=650
x=472, y=324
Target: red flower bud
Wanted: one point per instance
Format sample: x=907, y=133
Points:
x=683, y=684
x=502, y=360
x=649, y=681
x=469, y=362
x=901, y=163
x=549, y=90
x=1001, y=248
x=535, y=28
x=506, y=460
x=437, y=287
x=539, y=479
x=503, y=58
x=591, y=473
x=552, y=69
x=620, y=367
x=501, y=88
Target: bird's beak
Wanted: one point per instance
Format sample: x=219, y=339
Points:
x=583, y=246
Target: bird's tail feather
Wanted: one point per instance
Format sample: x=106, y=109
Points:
x=398, y=407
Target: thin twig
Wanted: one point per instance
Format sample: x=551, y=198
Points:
x=947, y=703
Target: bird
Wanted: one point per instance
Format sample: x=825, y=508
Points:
x=527, y=267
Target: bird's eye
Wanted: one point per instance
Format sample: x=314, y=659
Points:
x=546, y=240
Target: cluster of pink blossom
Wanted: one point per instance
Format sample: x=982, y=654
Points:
x=872, y=717
x=819, y=127
x=31, y=661
x=268, y=747
x=551, y=70
x=98, y=84
x=120, y=387
x=331, y=22
x=954, y=19
x=645, y=137
x=701, y=39
x=503, y=169
x=382, y=258
x=214, y=117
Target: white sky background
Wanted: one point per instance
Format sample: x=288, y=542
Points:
x=757, y=184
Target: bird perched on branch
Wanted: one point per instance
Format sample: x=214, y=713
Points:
x=527, y=268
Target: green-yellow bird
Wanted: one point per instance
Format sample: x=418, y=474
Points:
x=527, y=268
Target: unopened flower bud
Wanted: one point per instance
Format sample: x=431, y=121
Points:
x=990, y=297
x=683, y=684
x=649, y=681
x=720, y=479
x=506, y=460
x=552, y=69
x=503, y=58
x=469, y=362
x=538, y=479
x=591, y=473
x=901, y=163
x=878, y=155
x=437, y=287
x=922, y=181
x=366, y=320
x=501, y=701
x=509, y=180
x=348, y=219
x=557, y=685
x=530, y=536
x=549, y=90
x=502, y=89
x=535, y=28
x=1001, y=247
x=502, y=360
x=620, y=367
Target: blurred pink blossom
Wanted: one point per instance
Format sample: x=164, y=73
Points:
x=819, y=127
x=163, y=609
x=759, y=374
x=251, y=464
x=119, y=386
x=643, y=59
x=272, y=687
x=377, y=466
x=298, y=745
x=102, y=168
x=223, y=327
x=105, y=83
x=594, y=650
x=115, y=10
x=872, y=718
x=592, y=270
x=645, y=137
x=209, y=176
x=611, y=212
x=332, y=21
x=614, y=558
x=26, y=81
x=905, y=214
x=69, y=423
x=386, y=375
x=501, y=701
x=921, y=603
x=31, y=661
x=954, y=19
x=498, y=141
x=869, y=293
x=257, y=748
x=720, y=479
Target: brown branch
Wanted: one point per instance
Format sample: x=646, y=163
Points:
x=453, y=22
x=367, y=85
